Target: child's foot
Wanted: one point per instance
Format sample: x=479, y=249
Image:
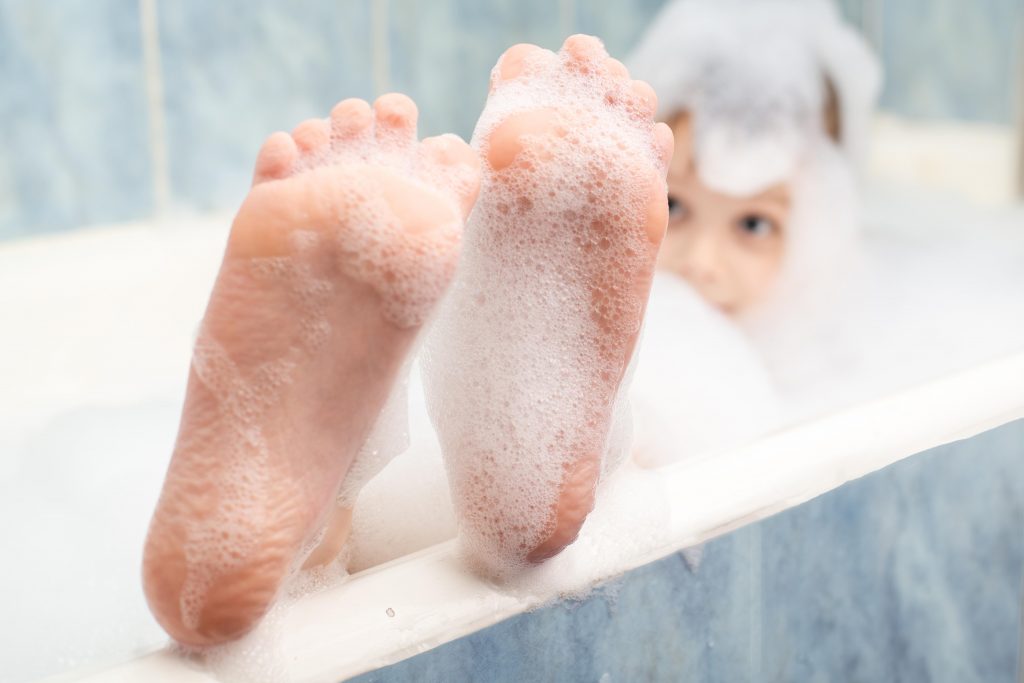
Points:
x=531, y=348
x=346, y=241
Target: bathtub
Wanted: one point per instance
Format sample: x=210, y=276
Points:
x=882, y=541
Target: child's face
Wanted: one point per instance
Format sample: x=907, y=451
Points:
x=728, y=247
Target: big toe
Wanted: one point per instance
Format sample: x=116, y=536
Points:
x=509, y=138
x=585, y=53
x=518, y=60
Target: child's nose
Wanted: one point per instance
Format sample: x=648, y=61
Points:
x=702, y=259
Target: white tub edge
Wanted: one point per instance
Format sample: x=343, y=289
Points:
x=346, y=630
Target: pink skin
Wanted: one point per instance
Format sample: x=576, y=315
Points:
x=294, y=361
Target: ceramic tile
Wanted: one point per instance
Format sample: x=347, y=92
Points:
x=74, y=141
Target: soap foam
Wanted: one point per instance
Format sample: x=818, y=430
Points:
x=523, y=363
x=935, y=288
x=752, y=74
x=701, y=385
x=407, y=507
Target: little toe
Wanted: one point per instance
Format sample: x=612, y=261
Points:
x=396, y=118
x=450, y=151
x=616, y=69
x=312, y=136
x=585, y=54
x=645, y=99
x=276, y=158
x=514, y=61
x=506, y=142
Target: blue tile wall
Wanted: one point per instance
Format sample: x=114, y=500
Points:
x=74, y=144
x=910, y=574
x=73, y=127
x=952, y=59
x=854, y=11
x=442, y=51
x=619, y=23
x=235, y=71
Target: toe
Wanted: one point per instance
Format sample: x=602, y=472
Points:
x=645, y=99
x=276, y=158
x=584, y=53
x=616, y=68
x=350, y=118
x=312, y=136
x=514, y=62
x=664, y=143
x=505, y=143
x=396, y=117
x=450, y=151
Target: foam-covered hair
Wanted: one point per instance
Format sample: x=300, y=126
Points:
x=752, y=74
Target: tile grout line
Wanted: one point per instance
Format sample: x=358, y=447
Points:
x=756, y=568
x=1020, y=128
x=380, y=46
x=873, y=13
x=153, y=73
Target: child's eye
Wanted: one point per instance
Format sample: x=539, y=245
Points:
x=757, y=226
x=677, y=209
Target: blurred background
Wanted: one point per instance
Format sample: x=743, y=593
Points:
x=128, y=110
x=128, y=131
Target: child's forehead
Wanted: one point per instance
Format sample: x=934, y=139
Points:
x=685, y=170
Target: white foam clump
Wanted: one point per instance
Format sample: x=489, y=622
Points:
x=752, y=73
x=700, y=385
x=936, y=288
x=522, y=361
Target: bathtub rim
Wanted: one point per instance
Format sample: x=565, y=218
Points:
x=346, y=630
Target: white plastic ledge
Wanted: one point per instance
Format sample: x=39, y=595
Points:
x=348, y=630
